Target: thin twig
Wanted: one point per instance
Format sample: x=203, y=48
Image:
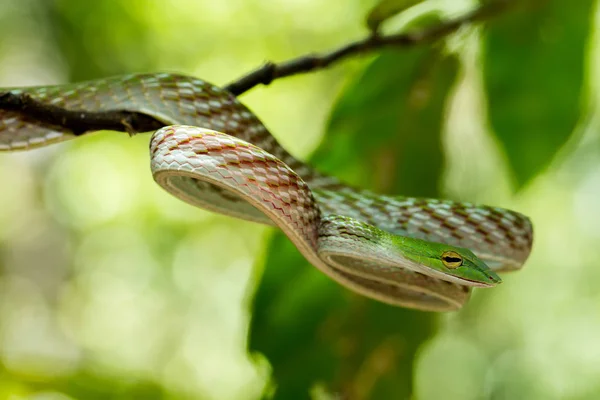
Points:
x=271, y=71
x=78, y=122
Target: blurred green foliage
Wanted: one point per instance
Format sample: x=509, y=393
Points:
x=534, y=69
x=398, y=104
x=386, y=9
x=110, y=289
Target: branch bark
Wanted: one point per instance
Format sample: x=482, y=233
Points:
x=78, y=122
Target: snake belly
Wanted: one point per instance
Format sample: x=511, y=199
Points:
x=216, y=154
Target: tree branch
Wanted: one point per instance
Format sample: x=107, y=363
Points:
x=79, y=121
x=271, y=71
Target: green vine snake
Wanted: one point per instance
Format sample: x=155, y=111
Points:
x=215, y=154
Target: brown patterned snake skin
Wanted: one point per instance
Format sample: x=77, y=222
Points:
x=214, y=153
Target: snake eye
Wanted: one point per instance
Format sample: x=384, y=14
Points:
x=451, y=259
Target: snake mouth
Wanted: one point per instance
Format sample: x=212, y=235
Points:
x=481, y=284
x=492, y=280
x=485, y=279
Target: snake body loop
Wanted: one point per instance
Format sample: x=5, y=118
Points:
x=215, y=154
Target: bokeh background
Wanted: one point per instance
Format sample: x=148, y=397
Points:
x=112, y=289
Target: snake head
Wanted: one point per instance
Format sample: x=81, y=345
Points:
x=463, y=264
x=451, y=263
x=362, y=249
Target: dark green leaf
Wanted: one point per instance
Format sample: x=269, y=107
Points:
x=386, y=9
x=384, y=133
x=534, y=76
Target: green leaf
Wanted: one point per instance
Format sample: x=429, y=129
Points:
x=534, y=66
x=386, y=9
x=390, y=120
x=384, y=133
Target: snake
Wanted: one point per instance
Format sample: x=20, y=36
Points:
x=212, y=152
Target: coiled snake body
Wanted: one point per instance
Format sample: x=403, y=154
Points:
x=214, y=153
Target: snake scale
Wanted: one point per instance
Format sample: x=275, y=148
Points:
x=216, y=154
